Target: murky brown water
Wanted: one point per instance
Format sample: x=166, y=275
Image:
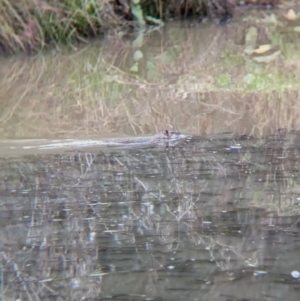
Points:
x=214, y=217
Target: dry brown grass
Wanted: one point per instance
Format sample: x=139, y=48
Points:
x=30, y=25
x=91, y=92
x=78, y=103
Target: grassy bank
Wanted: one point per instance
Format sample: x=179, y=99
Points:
x=30, y=25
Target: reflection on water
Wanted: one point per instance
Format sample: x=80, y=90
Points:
x=186, y=77
x=214, y=218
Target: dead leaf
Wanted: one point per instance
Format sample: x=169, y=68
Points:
x=267, y=58
x=263, y=48
x=291, y=15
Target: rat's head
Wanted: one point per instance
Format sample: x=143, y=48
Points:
x=171, y=134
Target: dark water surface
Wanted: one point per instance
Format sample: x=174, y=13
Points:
x=212, y=218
